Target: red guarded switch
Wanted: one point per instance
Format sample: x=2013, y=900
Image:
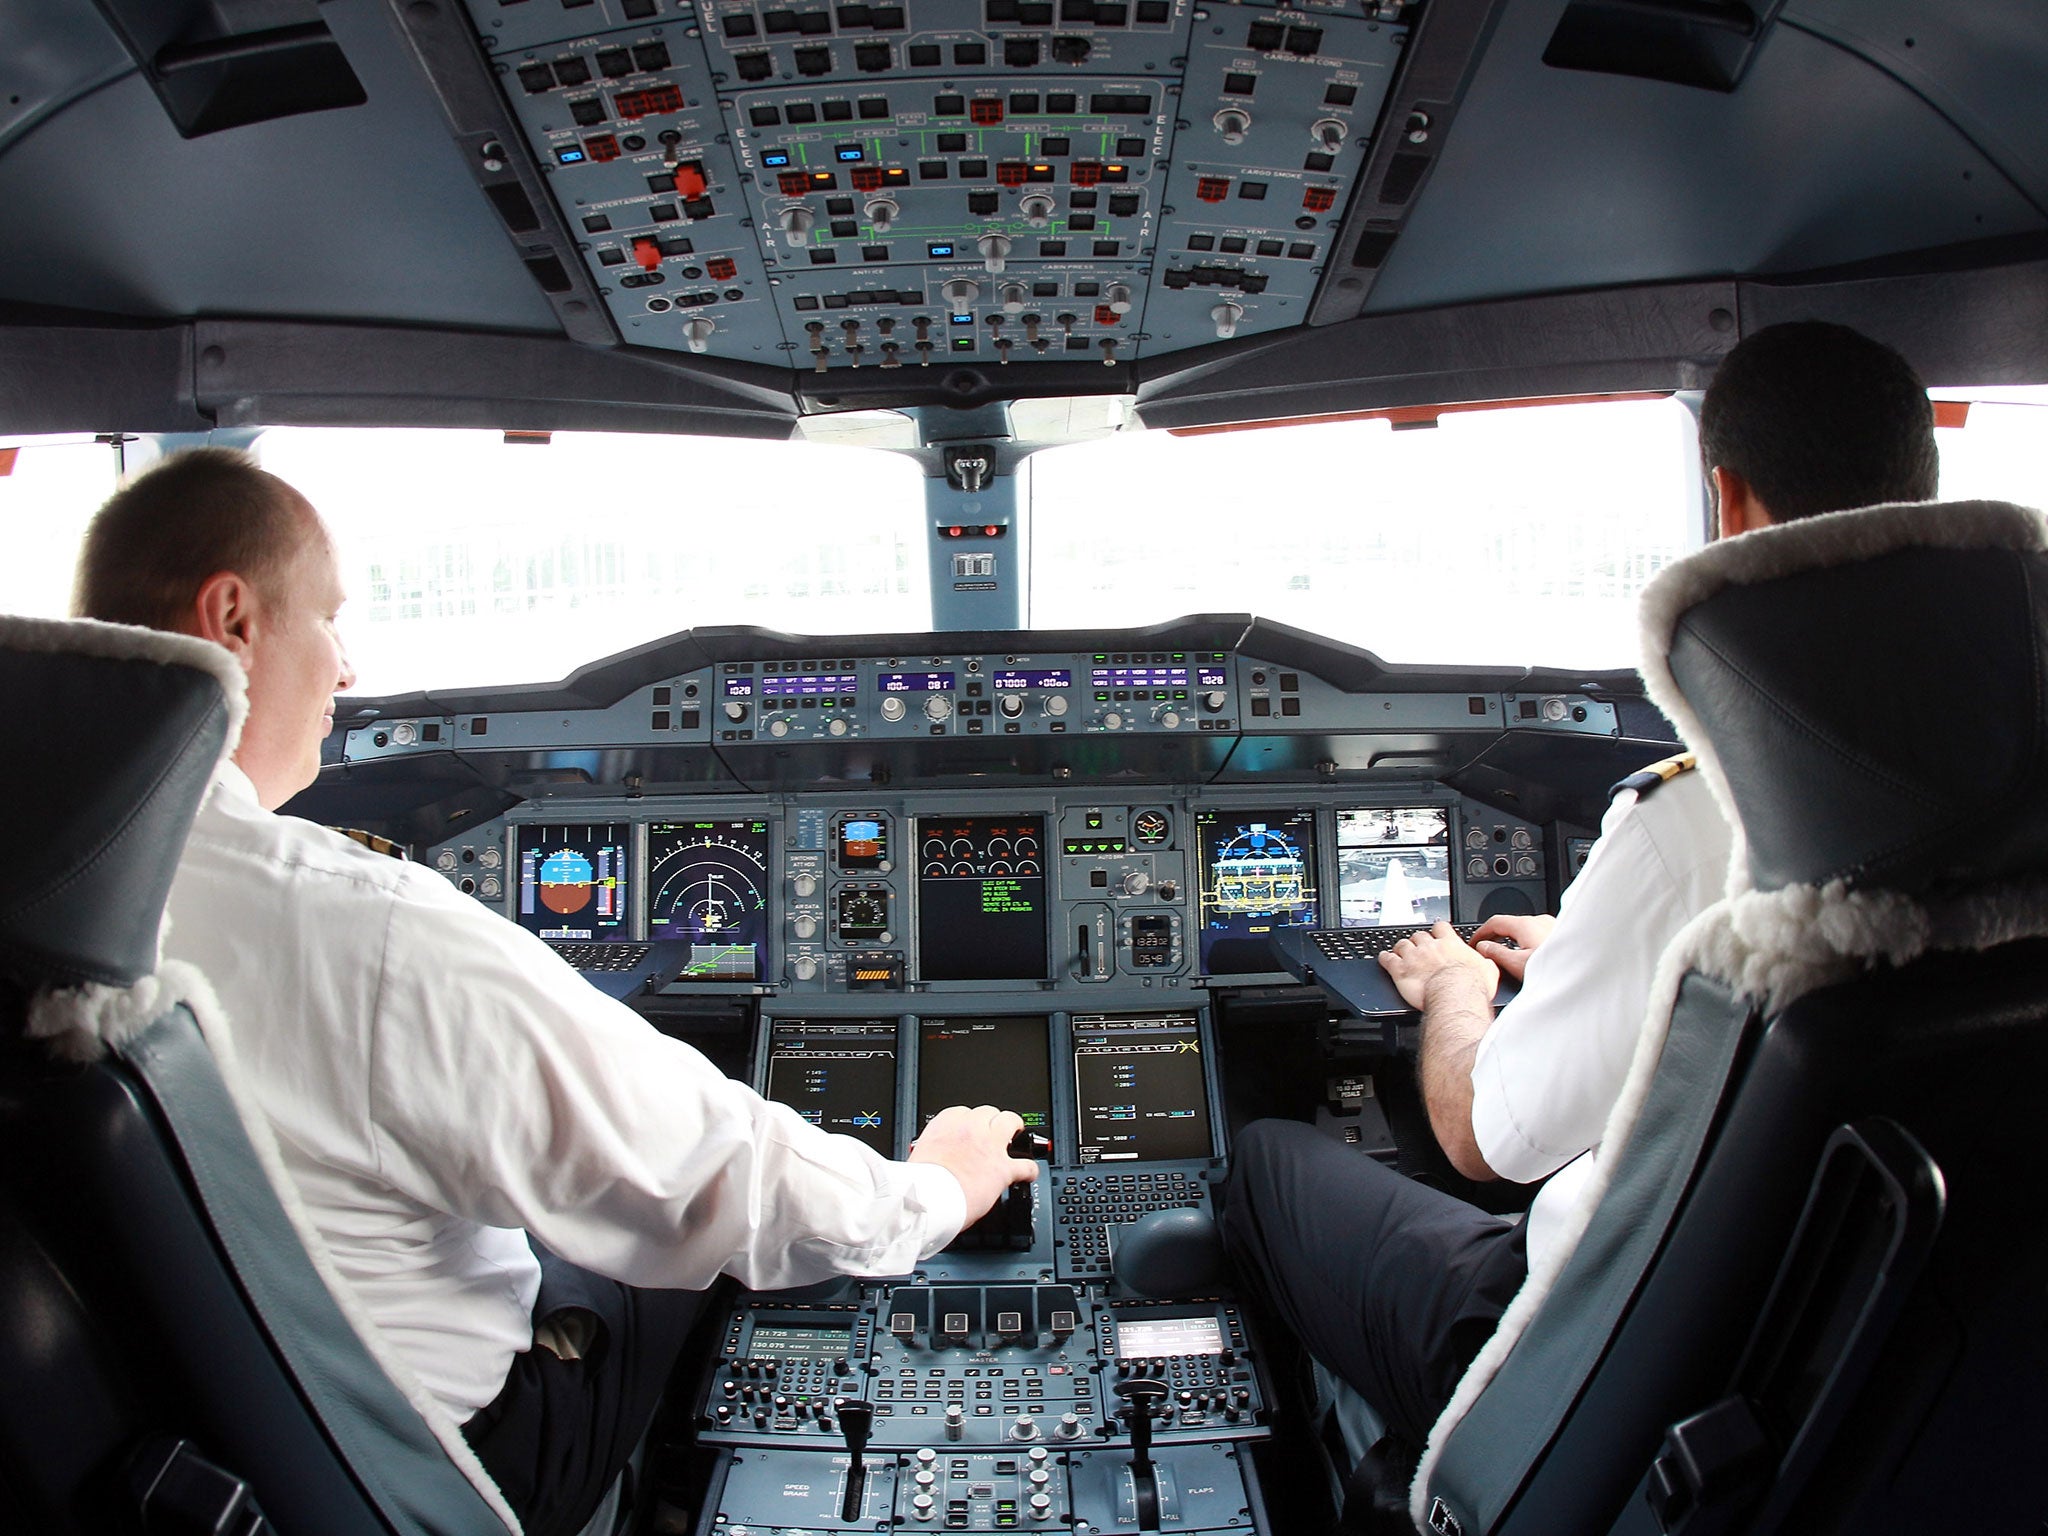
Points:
x=647, y=251
x=690, y=182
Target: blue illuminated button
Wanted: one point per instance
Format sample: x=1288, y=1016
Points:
x=775, y=157
x=940, y=250
x=850, y=152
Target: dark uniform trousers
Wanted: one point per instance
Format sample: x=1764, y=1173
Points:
x=558, y=1434
x=1391, y=1284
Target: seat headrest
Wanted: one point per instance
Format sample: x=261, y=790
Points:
x=1868, y=693
x=115, y=736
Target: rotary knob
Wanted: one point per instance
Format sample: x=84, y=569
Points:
x=921, y=1505
x=1118, y=297
x=956, y=1421
x=960, y=293
x=1233, y=123
x=1137, y=883
x=837, y=726
x=1226, y=315
x=697, y=334
x=1112, y=721
x=805, y=967
x=1026, y=1428
x=404, y=734
x=805, y=927
x=797, y=224
x=995, y=250
x=1011, y=704
x=735, y=709
x=1169, y=718
x=892, y=708
x=1056, y=704
x=804, y=885
x=778, y=727
x=882, y=212
x=1068, y=1428
x=1041, y=1505
x=1013, y=298
x=1214, y=700
x=938, y=706
x=1037, y=209
x=1327, y=135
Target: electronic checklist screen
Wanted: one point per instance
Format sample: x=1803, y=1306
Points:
x=838, y=1074
x=1139, y=1091
x=575, y=880
x=996, y=1060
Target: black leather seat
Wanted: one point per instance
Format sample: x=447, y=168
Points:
x=174, y=1361
x=1811, y=1297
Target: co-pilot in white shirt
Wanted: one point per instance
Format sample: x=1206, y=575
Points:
x=442, y=1084
x=1549, y=1070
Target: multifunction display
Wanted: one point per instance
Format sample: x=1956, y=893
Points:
x=1393, y=866
x=981, y=908
x=1258, y=876
x=575, y=881
x=708, y=883
x=999, y=1060
x=1154, y=1338
x=839, y=1075
x=862, y=842
x=1139, y=1089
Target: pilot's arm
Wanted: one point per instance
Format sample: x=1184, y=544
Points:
x=1452, y=985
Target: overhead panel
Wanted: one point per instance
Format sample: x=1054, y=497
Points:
x=1008, y=182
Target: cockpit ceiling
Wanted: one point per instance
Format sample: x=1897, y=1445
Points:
x=716, y=216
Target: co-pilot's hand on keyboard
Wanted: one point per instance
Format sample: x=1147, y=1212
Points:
x=1509, y=941
x=1419, y=960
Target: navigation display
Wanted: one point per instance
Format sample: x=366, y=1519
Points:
x=1139, y=1090
x=981, y=898
x=998, y=1060
x=708, y=882
x=839, y=1075
x=1258, y=876
x=574, y=880
x=1393, y=866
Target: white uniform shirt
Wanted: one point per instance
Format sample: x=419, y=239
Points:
x=1549, y=1070
x=439, y=1081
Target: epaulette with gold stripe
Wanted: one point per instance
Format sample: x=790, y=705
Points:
x=373, y=842
x=1644, y=780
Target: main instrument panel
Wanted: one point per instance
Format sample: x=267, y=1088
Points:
x=928, y=870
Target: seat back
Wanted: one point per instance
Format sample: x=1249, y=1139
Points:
x=177, y=1357
x=1803, y=1294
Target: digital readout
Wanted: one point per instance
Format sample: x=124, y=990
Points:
x=1208, y=675
x=809, y=687
x=1008, y=680
x=1139, y=677
x=915, y=682
x=739, y=687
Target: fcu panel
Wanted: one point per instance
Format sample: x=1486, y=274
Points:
x=836, y=186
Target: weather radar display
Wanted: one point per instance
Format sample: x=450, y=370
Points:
x=1258, y=876
x=707, y=882
x=574, y=881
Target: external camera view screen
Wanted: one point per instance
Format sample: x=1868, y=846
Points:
x=1393, y=866
x=840, y=1076
x=707, y=882
x=981, y=898
x=1258, y=876
x=999, y=1061
x=1139, y=1089
x=574, y=880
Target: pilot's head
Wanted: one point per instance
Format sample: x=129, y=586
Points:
x=207, y=544
x=1808, y=417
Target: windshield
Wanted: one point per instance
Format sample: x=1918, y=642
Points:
x=1500, y=536
x=1511, y=536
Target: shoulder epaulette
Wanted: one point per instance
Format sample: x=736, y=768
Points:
x=373, y=842
x=1646, y=779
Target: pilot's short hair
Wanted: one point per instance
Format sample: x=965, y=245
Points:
x=187, y=518
x=1820, y=418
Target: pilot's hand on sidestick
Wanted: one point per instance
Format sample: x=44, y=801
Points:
x=1528, y=932
x=974, y=1146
